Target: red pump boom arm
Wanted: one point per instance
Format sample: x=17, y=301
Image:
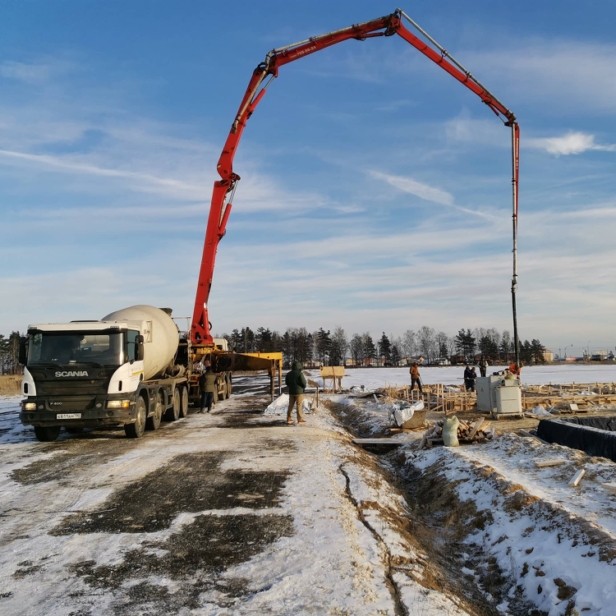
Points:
x=224, y=188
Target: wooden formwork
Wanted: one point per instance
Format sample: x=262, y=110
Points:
x=437, y=398
x=570, y=393
x=454, y=399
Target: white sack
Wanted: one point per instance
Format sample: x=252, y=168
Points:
x=403, y=415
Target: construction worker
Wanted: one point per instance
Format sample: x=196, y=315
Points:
x=468, y=378
x=207, y=383
x=296, y=382
x=515, y=369
x=415, y=378
x=483, y=366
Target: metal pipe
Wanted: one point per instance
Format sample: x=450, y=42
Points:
x=514, y=280
x=448, y=55
x=320, y=36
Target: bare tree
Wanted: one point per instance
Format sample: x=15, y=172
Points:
x=409, y=343
x=427, y=342
x=339, y=346
x=357, y=348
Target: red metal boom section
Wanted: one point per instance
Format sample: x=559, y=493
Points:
x=223, y=189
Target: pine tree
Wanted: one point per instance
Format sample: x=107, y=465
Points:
x=537, y=350
x=395, y=355
x=323, y=343
x=465, y=344
x=369, y=348
x=385, y=349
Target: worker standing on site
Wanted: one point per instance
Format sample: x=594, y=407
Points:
x=468, y=378
x=483, y=366
x=516, y=369
x=296, y=382
x=207, y=384
x=415, y=378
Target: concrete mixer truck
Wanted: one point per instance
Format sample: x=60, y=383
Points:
x=129, y=369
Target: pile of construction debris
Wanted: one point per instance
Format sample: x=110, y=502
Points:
x=468, y=432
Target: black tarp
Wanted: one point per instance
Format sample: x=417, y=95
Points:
x=594, y=435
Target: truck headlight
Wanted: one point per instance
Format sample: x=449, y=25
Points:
x=118, y=404
x=29, y=406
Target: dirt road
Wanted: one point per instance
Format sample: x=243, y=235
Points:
x=229, y=513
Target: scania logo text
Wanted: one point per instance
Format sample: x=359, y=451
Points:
x=62, y=373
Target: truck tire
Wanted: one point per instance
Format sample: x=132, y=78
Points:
x=153, y=422
x=136, y=430
x=46, y=434
x=173, y=414
x=184, y=402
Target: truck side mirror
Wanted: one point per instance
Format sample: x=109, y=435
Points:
x=23, y=351
x=139, y=348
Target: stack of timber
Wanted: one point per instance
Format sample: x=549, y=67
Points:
x=468, y=432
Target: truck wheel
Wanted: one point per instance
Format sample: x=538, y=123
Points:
x=136, y=430
x=184, y=403
x=153, y=422
x=173, y=414
x=45, y=434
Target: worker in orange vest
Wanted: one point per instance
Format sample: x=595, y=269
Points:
x=515, y=369
x=415, y=378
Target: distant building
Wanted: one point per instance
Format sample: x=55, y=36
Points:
x=548, y=356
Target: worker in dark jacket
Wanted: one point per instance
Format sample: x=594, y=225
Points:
x=207, y=383
x=469, y=379
x=296, y=382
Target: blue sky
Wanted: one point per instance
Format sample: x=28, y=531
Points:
x=375, y=189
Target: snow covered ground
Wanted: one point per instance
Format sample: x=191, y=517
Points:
x=555, y=545
x=237, y=513
x=373, y=378
x=228, y=513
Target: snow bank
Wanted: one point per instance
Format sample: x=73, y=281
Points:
x=281, y=404
x=551, y=554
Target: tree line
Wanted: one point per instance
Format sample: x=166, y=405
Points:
x=9, y=353
x=333, y=348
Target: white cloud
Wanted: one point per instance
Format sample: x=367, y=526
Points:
x=571, y=143
x=143, y=179
x=413, y=187
x=425, y=192
x=484, y=132
x=34, y=72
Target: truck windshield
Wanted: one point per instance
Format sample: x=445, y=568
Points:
x=103, y=348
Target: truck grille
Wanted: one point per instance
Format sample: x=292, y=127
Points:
x=72, y=403
x=71, y=388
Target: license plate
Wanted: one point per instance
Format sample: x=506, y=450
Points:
x=69, y=416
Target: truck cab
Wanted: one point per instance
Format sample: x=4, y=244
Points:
x=81, y=374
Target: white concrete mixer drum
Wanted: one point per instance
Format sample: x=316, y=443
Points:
x=160, y=334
